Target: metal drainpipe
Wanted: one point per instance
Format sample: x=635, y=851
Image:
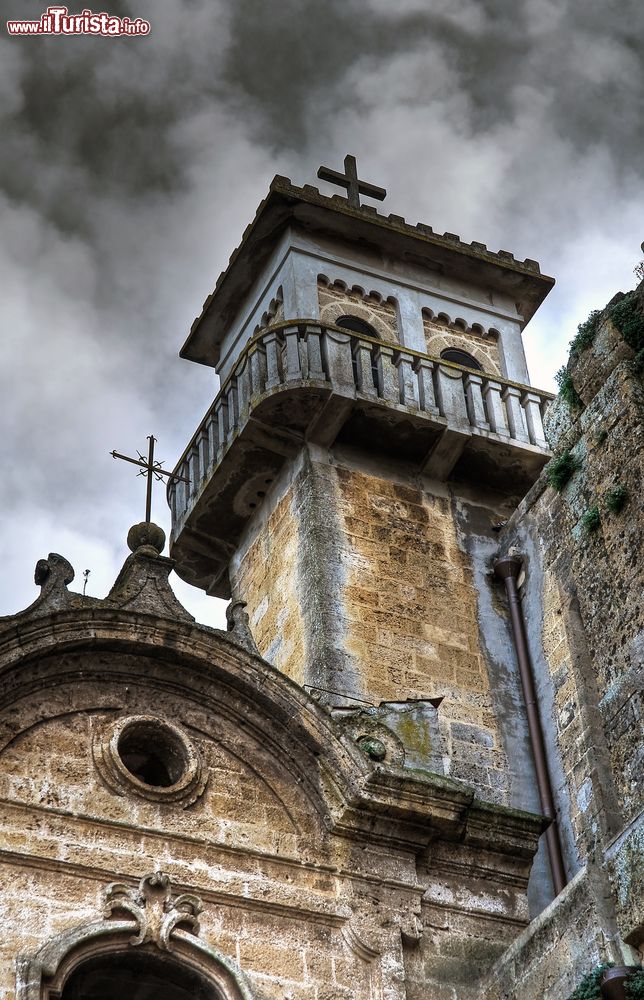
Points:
x=508, y=569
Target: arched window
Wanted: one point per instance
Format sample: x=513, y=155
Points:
x=357, y=325
x=461, y=358
x=137, y=976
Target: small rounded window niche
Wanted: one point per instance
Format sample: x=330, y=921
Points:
x=151, y=758
x=459, y=357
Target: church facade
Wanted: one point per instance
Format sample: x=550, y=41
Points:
x=412, y=766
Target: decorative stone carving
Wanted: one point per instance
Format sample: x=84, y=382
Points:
x=152, y=917
x=184, y=774
x=239, y=626
x=156, y=911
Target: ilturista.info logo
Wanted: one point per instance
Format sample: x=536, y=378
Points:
x=58, y=21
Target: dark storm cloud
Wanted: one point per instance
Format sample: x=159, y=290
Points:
x=130, y=167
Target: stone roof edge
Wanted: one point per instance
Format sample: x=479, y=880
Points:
x=393, y=223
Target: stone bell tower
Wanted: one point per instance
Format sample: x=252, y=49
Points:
x=374, y=425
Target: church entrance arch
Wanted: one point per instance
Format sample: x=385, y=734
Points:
x=137, y=976
x=146, y=946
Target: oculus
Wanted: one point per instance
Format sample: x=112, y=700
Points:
x=151, y=758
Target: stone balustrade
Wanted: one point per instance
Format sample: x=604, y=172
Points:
x=307, y=355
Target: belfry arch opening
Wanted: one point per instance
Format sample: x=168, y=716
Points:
x=357, y=325
x=138, y=976
x=459, y=357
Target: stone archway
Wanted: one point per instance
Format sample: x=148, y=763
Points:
x=147, y=931
x=132, y=975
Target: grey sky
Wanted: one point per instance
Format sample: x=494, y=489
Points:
x=130, y=168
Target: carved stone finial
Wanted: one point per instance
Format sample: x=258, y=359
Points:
x=53, y=570
x=156, y=912
x=239, y=625
x=146, y=535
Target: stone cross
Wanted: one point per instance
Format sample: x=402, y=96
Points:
x=150, y=469
x=349, y=180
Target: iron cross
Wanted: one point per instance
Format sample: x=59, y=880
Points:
x=150, y=469
x=349, y=180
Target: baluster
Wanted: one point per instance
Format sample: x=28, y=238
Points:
x=172, y=500
x=203, y=446
x=364, y=367
x=387, y=375
x=532, y=410
x=182, y=491
x=213, y=435
x=293, y=360
x=425, y=369
x=312, y=336
x=451, y=395
x=257, y=368
x=511, y=396
x=474, y=397
x=407, y=380
x=273, y=377
x=221, y=413
x=339, y=360
x=194, y=472
x=243, y=389
x=495, y=408
x=233, y=409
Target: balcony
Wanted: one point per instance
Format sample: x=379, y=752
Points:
x=302, y=382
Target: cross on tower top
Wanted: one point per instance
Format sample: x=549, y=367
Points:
x=349, y=180
x=150, y=470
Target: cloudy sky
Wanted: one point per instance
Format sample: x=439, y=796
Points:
x=130, y=168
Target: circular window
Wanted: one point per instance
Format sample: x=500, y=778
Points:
x=150, y=757
x=152, y=754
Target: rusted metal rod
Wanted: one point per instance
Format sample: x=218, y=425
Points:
x=508, y=569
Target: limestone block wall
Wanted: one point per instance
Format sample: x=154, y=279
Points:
x=591, y=606
x=321, y=876
x=582, y=601
x=369, y=581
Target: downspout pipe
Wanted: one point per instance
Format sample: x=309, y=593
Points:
x=508, y=570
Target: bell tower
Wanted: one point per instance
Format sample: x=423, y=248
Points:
x=375, y=424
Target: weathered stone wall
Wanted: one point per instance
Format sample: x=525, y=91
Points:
x=591, y=596
x=303, y=851
x=371, y=581
x=550, y=957
x=264, y=572
x=439, y=336
x=582, y=601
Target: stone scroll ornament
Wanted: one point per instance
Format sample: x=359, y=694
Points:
x=156, y=911
x=151, y=915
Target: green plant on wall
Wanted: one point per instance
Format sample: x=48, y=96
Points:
x=591, y=520
x=616, y=498
x=567, y=389
x=585, y=333
x=559, y=470
x=635, y=987
x=629, y=320
x=590, y=988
